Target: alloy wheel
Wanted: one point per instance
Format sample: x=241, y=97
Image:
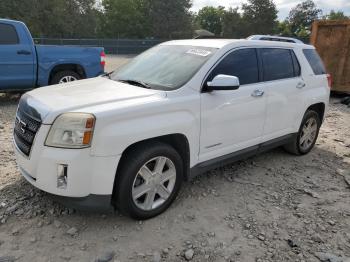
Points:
x=67, y=79
x=154, y=183
x=308, y=134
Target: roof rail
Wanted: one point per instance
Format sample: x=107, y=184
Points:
x=275, y=38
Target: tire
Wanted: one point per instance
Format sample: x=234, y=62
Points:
x=345, y=100
x=132, y=181
x=297, y=146
x=59, y=77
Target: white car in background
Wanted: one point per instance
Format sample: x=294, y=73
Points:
x=129, y=139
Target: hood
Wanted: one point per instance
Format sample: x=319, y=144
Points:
x=57, y=99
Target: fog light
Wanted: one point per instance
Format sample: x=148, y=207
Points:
x=62, y=176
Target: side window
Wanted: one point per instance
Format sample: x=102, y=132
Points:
x=277, y=63
x=296, y=64
x=242, y=63
x=8, y=35
x=315, y=61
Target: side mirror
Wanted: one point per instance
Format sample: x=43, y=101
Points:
x=223, y=82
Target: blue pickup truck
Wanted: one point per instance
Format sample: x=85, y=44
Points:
x=24, y=65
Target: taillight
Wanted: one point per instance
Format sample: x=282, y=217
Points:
x=103, y=59
x=330, y=80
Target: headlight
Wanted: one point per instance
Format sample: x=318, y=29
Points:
x=71, y=130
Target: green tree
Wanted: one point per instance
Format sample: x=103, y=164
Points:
x=336, y=15
x=123, y=19
x=169, y=19
x=300, y=18
x=53, y=18
x=259, y=17
x=211, y=18
x=283, y=29
x=232, y=24
x=146, y=18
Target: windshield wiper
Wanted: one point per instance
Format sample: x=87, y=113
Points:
x=108, y=74
x=135, y=82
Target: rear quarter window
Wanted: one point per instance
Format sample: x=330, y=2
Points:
x=8, y=35
x=297, y=69
x=315, y=61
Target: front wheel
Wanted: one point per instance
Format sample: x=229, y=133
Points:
x=307, y=135
x=150, y=179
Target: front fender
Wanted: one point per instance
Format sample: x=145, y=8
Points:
x=114, y=134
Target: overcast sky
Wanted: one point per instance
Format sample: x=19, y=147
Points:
x=283, y=6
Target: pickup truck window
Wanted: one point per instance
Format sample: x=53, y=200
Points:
x=242, y=63
x=164, y=67
x=8, y=35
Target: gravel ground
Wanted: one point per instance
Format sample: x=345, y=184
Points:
x=115, y=61
x=272, y=207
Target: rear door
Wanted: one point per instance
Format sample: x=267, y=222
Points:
x=16, y=59
x=284, y=85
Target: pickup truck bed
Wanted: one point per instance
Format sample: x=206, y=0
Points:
x=24, y=65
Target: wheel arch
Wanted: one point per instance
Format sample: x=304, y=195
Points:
x=319, y=108
x=178, y=141
x=79, y=69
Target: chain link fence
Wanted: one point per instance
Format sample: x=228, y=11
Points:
x=111, y=46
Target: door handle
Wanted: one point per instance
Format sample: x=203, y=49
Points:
x=300, y=85
x=23, y=52
x=257, y=93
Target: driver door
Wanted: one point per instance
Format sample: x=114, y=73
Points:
x=16, y=60
x=232, y=120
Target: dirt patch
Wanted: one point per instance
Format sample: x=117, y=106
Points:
x=272, y=207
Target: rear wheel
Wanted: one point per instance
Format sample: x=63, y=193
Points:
x=65, y=77
x=307, y=135
x=150, y=179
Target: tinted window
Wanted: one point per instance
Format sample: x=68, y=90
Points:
x=242, y=63
x=8, y=35
x=315, y=61
x=277, y=63
x=297, y=69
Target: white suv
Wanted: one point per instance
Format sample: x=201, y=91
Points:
x=129, y=139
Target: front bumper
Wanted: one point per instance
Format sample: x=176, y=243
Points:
x=86, y=174
x=96, y=203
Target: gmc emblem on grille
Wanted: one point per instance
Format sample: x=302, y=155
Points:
x=22, y=124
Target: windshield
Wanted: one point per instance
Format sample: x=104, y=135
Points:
x=164, y=67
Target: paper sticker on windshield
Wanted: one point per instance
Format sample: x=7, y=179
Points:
x=199, y=52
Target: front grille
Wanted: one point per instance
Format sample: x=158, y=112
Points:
x=24, y=132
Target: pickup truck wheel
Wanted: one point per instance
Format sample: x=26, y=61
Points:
x=65, y=77
x=150, y=179
x=307, y=135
